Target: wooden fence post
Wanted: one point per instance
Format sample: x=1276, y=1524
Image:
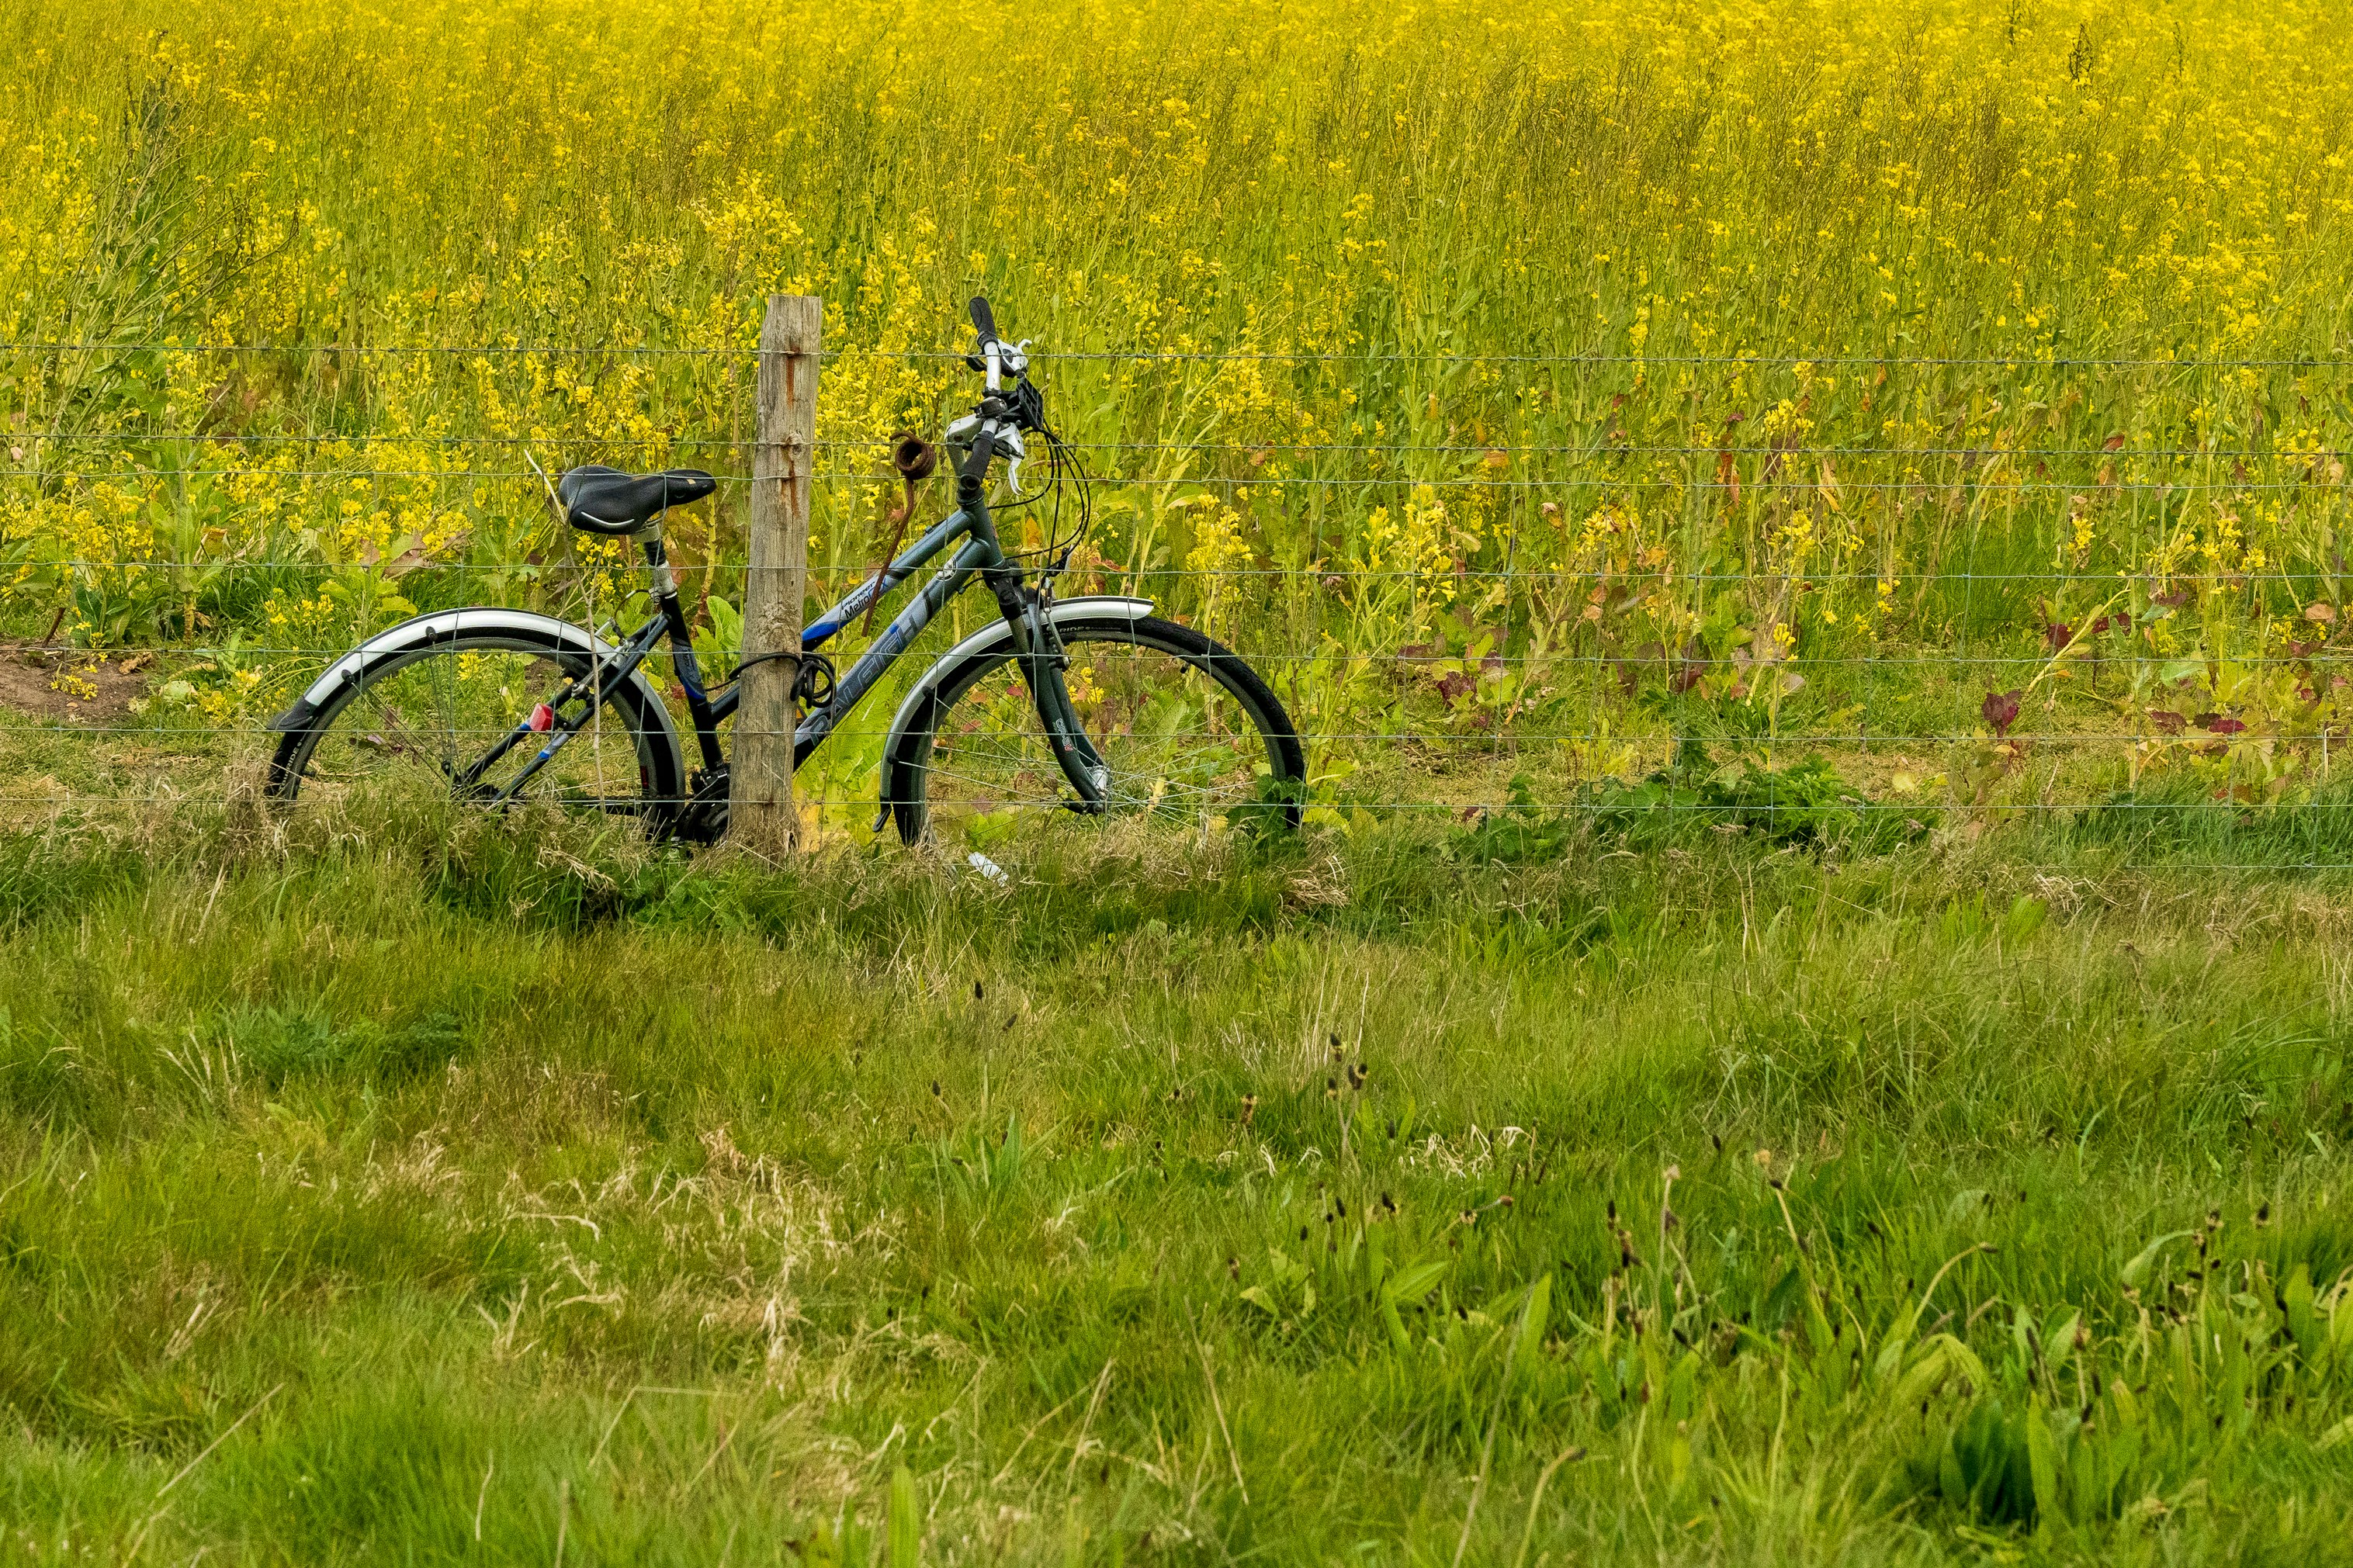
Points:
x=760, y=815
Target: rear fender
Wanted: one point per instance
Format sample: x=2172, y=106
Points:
x=421, y=633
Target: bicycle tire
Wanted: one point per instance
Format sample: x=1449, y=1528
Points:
x=988, y=762
x=366, y=737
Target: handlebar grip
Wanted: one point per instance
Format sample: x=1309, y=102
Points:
x=975, y=472
x=982, y=321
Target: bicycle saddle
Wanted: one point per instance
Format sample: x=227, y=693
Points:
x=598, y=500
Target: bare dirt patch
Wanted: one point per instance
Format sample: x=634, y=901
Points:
x=67, y=685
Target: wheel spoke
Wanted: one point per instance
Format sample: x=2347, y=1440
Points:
x=419, y=727
x=1178, y=743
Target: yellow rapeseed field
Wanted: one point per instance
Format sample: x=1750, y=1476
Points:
x=1757, y=369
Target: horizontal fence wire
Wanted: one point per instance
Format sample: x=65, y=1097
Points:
x=1408, y=659
x=2012, y=703
x=1254, y=448
x=1425, y=739
x=1245, y=574
x=1319, y=481
x=1212, y=356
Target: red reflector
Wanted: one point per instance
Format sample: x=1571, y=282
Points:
x=542, y=719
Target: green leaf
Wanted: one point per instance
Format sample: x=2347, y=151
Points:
x=1950, y=1481
x=2025, y=918
x=1534, y=1314
x=1924, y=1377
x=2138, y=1269
x=2059, y=1335
x=2301, y=1323
x=1818, y=1324
x=1398, y=1339
x=906, y=1525
x=1410, y=1285
x=2042, y=1461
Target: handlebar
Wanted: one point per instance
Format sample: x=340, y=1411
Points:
x=1021, y=410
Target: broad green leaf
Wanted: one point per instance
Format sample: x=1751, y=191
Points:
x=1535, y=1315
x=2302, y=1324
x=2042, y=1461
x=2143, y=1261
x=906, y=1524
x=1410, y=1285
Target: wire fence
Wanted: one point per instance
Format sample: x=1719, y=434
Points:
x=1809, y=598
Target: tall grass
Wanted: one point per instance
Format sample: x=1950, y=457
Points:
x=396, y=1203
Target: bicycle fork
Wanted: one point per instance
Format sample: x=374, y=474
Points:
x=1039, y=655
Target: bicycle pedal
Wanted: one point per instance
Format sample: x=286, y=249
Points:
x=704, y=818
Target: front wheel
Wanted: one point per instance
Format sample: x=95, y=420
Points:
x=1189, y=731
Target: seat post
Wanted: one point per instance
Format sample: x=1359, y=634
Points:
x=658, y=561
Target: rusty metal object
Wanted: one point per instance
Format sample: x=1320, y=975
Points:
x=915, y=459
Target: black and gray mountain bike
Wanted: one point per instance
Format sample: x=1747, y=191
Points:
x=1093, y=705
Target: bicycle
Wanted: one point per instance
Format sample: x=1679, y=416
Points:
x=1113, y=710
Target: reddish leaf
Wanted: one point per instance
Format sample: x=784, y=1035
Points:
x=2057, y=635
x=2000, y=710
x=1452, y=685
x=2170, y=723
x=2221, y=724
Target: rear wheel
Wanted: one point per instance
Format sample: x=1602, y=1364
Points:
x=1187, y=730
x=418, y=724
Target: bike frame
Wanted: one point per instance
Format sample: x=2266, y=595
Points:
x=1036, y=648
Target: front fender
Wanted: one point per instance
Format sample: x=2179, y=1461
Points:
x=915, y=711
x=420, y=634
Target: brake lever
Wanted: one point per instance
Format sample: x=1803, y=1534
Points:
x=1010, y=441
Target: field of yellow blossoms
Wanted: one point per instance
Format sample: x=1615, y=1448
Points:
x=1959, y=387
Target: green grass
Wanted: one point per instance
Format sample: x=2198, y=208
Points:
x=481, y=1194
